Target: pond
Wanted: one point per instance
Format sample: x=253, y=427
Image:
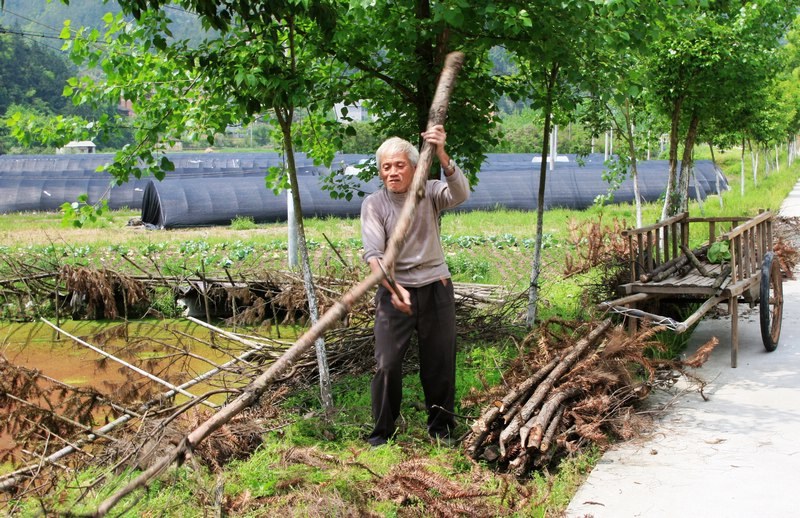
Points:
x=172, y=351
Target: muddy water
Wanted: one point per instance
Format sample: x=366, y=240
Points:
x=39, y=346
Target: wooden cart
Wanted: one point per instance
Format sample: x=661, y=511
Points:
x=665, y=271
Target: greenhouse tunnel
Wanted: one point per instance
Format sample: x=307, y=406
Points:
x=213, y=189
x=44, y=182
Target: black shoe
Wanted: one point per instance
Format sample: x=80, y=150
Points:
x=441, y=433
x=376, y=441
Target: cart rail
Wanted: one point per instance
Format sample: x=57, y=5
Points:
x=657, y=245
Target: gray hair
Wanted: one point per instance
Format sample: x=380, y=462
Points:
x=397, y=145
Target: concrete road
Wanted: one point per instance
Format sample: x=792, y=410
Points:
x=736, y=454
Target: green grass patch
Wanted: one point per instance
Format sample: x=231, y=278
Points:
x=174, y=494
x=243, y=223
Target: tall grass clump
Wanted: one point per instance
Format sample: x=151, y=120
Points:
x=243, y=223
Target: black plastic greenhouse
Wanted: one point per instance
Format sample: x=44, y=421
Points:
x=210, y=189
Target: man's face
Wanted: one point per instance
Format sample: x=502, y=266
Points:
x=396, y=172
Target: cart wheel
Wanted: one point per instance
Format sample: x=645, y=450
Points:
x=771, y=301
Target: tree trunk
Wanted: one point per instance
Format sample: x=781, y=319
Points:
x=671, y=200
x=753, y=162
x=686, y=164
x=767, y=162
x=716, y=173
x=533, y=291
x=285, y=120
x=777, y=159
x=741, y=171
x=634, y=171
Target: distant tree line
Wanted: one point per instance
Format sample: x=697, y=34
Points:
x=33, y=76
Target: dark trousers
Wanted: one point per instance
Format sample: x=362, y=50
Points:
x=434, y=320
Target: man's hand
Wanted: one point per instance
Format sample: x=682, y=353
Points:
x=401, y=299
x=437, y=137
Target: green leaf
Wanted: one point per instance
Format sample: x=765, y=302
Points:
x=166, y=164
x=719, y=252
x=160, y=42
x=454, y=17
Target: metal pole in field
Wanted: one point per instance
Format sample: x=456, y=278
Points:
x=292, y=226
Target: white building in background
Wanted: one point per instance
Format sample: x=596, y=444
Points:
x=355, y=112
x=77, y=146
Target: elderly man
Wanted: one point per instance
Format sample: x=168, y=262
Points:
x=421, y=298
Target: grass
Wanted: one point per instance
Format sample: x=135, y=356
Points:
x=308, y=466
x=243, y=223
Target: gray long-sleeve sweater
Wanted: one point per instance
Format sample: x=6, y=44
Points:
x=421, y=261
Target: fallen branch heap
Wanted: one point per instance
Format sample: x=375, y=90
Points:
x=558, y=398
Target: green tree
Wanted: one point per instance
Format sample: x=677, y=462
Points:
x=259, y=61
x=618, y=95
x=395, y=51
x=31, y=74
x=790, y=85
x=33, y=78
x=712, y=57
x=549, y=42
x=46, y=17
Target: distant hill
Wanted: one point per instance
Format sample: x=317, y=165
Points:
x=45, y=18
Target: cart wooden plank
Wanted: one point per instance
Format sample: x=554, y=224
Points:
x=692, y=284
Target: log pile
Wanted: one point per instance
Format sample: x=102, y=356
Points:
x=559, y=398
x=679, y=266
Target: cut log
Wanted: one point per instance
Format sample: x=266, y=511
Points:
x=550, y=433
x=660, y=276
x=695, y=261
x=724, y=274
x=670, y=265
x=664, y=270
x=532, y=433
x=546, y=451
